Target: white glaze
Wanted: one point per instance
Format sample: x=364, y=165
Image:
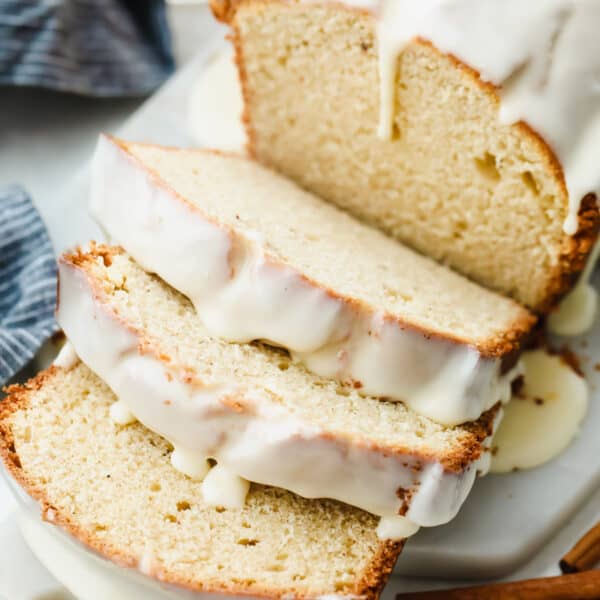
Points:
x=190, y=463
x=120, y=414
x=222, y=487
x=147, y=563
x=395, y=28
x=396, y=528
x=543, y=56
x=532, y=433
x=215, y=105
x=66, y=358
x=263, y=442
x=577, y=311
x=264, y=299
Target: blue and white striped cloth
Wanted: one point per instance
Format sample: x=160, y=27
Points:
x=27, y=282
x=92, y=47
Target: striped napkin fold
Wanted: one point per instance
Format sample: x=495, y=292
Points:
x=27, y=282
x=92, y=47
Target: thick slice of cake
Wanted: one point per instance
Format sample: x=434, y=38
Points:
x=113, y=488
x=262, y=259
x=467, y=129
x=263, y=417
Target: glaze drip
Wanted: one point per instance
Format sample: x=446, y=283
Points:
x=543, y=56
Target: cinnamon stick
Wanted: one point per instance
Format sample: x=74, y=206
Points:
x=585, y=554
x=582, y=586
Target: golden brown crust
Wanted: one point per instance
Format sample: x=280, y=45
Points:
x=376, y=575
x=224, y=10
x=455, y=461
x=574, y=253
x=369, y=585
x=574, y=250
x=508, y=342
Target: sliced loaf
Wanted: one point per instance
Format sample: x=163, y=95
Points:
x=113, y=489
x=457, y=176
x=262, y=259
x=262, y=416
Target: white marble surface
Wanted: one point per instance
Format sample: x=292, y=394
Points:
x=45, y=142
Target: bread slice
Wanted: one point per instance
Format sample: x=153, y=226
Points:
x=113, y=489
x=454, y=182
x=261, y=415
x=262, y=259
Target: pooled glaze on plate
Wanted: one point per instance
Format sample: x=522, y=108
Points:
x=543, y=418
